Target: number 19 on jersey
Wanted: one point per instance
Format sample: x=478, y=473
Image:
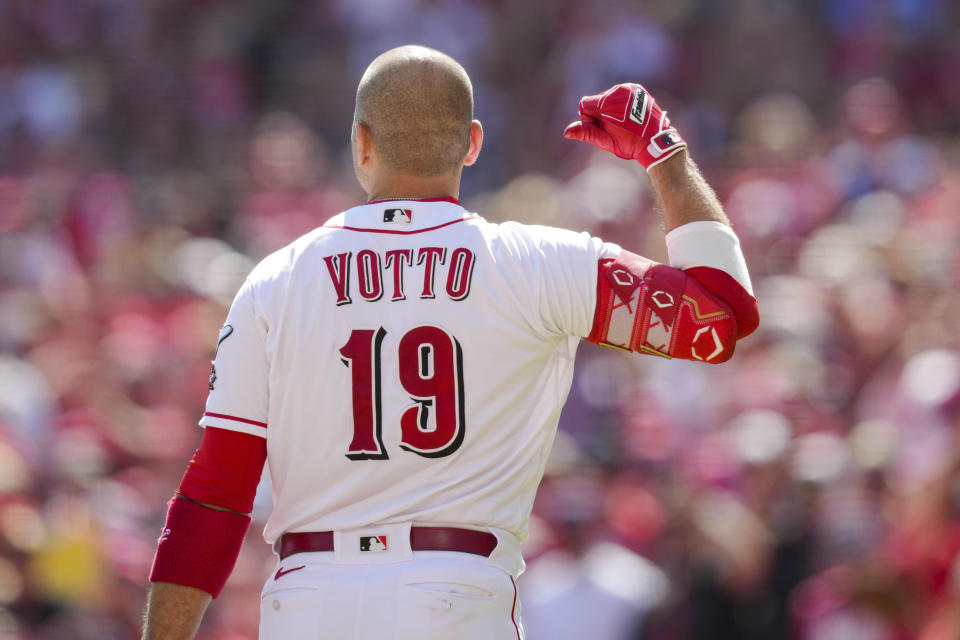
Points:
x=430, y=365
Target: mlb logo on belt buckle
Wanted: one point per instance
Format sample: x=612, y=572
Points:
x=373, y=543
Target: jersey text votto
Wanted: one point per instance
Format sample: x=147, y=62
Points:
x=380, y=274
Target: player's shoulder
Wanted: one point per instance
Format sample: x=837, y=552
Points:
x=279, y=265
x=544, y=240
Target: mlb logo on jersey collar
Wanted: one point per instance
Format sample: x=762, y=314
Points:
x=373, y=543
x=398, y=216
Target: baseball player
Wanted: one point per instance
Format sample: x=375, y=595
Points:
x=403, y=368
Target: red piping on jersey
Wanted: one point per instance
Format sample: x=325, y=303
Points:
x=235, y=418
x=405, y=233
x=440, y=199
x=513, y=610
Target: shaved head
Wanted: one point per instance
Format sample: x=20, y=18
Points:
x=418, y=105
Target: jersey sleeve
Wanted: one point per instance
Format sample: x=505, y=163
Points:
x=568, y=279
x=238, y=397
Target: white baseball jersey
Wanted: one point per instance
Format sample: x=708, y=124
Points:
x=407, y=361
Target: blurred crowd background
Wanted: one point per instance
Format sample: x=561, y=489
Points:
x=151, y=151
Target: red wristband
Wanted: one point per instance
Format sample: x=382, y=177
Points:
x=199, y=546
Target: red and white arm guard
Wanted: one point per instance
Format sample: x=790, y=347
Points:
x=693, y=314
x=199, y=546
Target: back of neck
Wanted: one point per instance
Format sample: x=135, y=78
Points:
x=397, y=187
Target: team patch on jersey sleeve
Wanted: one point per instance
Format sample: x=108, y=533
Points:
x=225, y=332
x=648, y=307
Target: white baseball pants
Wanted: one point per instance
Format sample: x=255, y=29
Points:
x=424, y=595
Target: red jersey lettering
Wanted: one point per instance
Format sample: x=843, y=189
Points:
x=395, y=261
x=460, y=273
x=429, y=257
x=368, y=275
x=339, y=268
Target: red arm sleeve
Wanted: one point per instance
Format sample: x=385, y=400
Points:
x=694, y=314
x=199, y=545
x=225, y=470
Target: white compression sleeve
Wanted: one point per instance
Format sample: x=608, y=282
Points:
x=707, y=243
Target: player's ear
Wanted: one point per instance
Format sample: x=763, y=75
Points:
x=476, y=141
x=362, y=144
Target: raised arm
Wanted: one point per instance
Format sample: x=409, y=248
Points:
x=627, y=122
x=700, y=305
x=683, y=196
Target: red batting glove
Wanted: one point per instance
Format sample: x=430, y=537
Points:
x=626, y=121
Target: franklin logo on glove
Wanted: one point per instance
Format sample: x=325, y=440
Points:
x=639, y=106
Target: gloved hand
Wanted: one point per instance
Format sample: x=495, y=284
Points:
x=626, y=121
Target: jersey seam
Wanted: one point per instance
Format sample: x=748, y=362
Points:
x=261, y=328
x=513, y=608
x=397, y=231
x=539, y=292
x=225, y=416
x=258, y=312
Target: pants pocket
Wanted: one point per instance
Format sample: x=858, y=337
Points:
x=452, y=589
x=457, y=610
x=290, y=613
